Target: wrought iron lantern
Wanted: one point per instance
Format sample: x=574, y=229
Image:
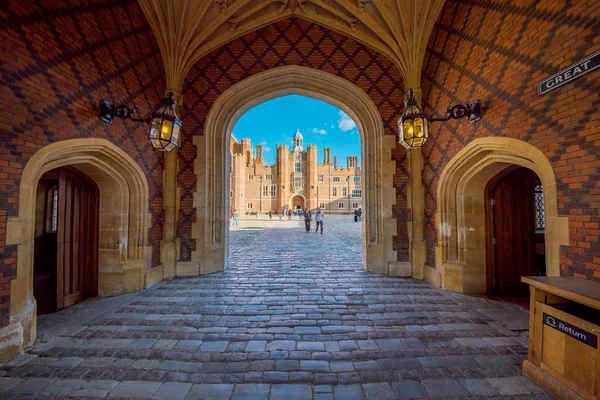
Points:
x=165, y=124
x=413, y=125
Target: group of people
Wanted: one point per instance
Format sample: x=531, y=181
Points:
x=358, y=215
x=319, y=218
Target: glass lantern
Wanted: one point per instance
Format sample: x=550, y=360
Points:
x=412, y=125
x=165, y=126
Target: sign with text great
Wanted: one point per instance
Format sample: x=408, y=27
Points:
x=569, y=74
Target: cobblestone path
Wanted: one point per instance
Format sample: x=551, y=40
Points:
x=293, y=317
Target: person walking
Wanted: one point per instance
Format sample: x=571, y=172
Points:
x=230, y=218
x=355, y=215
x=281, y=214
x=235, y=218
x=270, y=214
x=319, y=217
x=289, y=215
x=307, y=219
x=359, y=213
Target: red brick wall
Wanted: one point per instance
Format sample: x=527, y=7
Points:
x=58, y=59
x=497, y=51
x=288, y=42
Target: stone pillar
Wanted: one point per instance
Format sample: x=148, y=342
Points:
x=169, y=248
x=311, y=178
x=418, y=249
x=284, y=176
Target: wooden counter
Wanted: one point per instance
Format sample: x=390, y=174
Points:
x=564, y=330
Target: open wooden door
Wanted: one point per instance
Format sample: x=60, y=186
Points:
x=512, y=234
x=77, y=239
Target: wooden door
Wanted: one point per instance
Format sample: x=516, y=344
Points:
x=512, y=242
x=77, y=239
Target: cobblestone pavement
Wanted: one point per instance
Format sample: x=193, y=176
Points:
x=293, y=317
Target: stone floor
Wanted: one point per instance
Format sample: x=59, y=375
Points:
x=293, y=317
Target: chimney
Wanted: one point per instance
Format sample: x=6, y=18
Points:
x=349, y=162
x=259, y=151
x=334, y=161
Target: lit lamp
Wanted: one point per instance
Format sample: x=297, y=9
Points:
x=413, y=125
x=165, y=124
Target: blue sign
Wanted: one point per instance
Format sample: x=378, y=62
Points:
x=565, y=76
x=576, y=333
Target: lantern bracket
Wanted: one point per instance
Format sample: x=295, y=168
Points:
x=472, y=111
x=109, y=111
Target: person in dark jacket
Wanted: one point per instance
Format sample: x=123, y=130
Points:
x=307, y=219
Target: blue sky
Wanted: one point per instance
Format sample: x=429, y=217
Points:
x=276, y=121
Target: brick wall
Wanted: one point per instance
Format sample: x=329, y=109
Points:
x=59, y=58
x=288, y=42
x=497, y=51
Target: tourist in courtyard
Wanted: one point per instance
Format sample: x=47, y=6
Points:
x=355, y=215
x=230, y=218
x=359, y=214
x=235, y=218
x=289, y=215
x=319, y=217
x=282, y=214
x=270, y=214
x=307, y=219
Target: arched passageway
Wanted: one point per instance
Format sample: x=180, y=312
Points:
x=211, y=204
x=123, y=254
x=461, y=252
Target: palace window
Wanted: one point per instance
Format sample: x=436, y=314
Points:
x=249, y=205
x=322, y=205
x=354, y=205
x=298, y=167
x=320, y=178
x=273, y=190
x=344, y=191
x=356, y=193
x=268, y=177
x=250, y=177
x=265, y=191
x=539, y=209
x=336, y=179
x=241, y=194
x=357, y=179
x=231, y=194
x=334, y=191
x=340, y=205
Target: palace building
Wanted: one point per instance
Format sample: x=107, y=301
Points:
x=295, y=181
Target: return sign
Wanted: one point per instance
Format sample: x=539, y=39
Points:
x=583, y=336
x=581, y=68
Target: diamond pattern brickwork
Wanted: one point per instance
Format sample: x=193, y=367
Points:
x=498, y=52
x=288, y=42
x=59, y=58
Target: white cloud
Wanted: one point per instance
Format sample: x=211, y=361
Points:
x=345, y=123
x=319, y=131
x=265, y=147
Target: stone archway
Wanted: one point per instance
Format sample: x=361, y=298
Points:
x=460, y=250
x=297, y=199
x=211, y=203
x=124, y=254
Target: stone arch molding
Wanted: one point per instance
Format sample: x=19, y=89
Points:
x=460, y=250
x=124, y=253
x=212, y=198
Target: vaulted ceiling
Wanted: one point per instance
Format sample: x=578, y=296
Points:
x=186, y=30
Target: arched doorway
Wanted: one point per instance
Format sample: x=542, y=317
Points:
x=462, y=257
x=514, y=231
x=211, y=235
x=124, y=255
x=297, y=202
x=65, y=262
